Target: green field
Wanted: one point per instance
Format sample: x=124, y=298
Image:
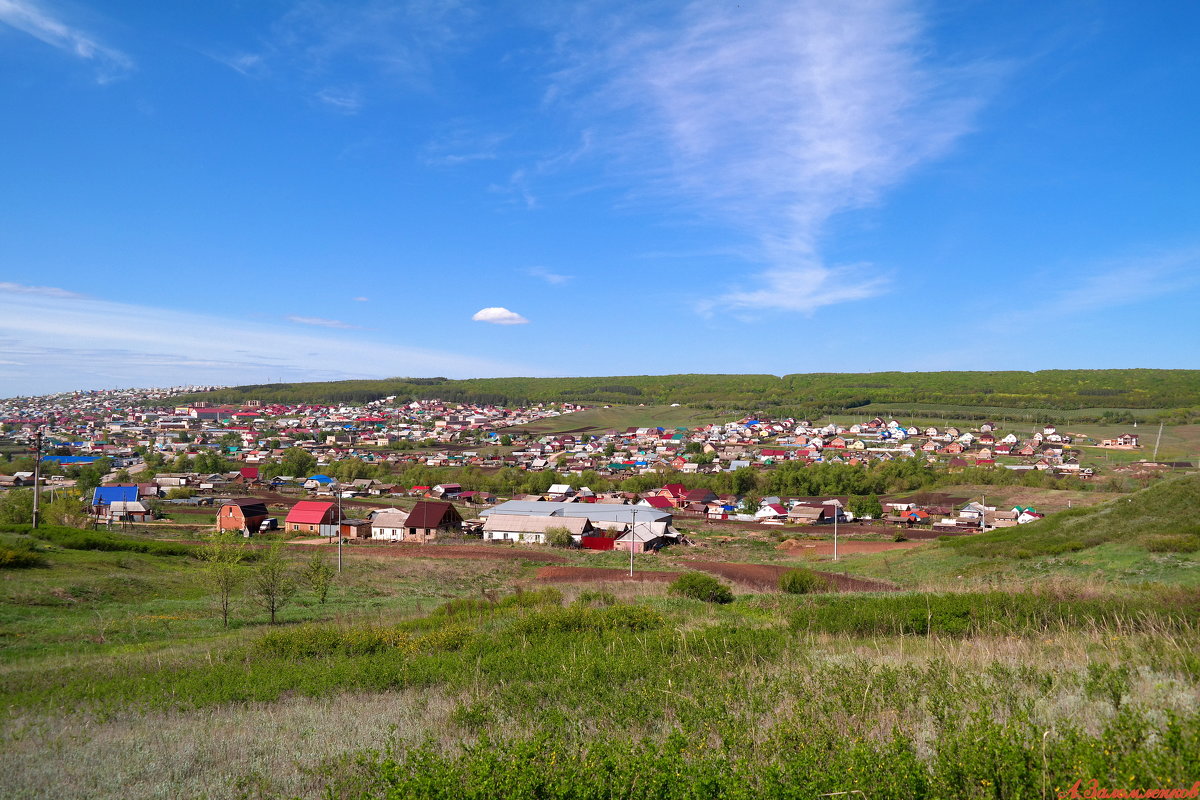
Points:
x=1066, y=651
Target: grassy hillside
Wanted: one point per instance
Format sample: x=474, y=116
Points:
x=1150, y=535
x=815, y=392
x=426, y=677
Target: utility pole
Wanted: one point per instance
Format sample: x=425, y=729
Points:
x=339, y=530
x=632, y=539
x=835, y=518
x=37, y=475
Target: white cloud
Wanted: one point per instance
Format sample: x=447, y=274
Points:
x=498, y=315
x=30, y=18
x=770, y=117
x=362, y=299
x=47, y=291
x=347, y=102
x=72, y=342
x=1126, y=281
x=323, y=323
x=552, y=278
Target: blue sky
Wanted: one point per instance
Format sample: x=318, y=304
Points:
x=209, y=192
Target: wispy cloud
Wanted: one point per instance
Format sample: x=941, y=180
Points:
x=345, y=101
x=1127, y=281
x=45, y=291
x=770, y=117
x=31, y=18
x=316, y=44
x=552, y=278
x=68, y=341
x=498, y=315
x=362, y=299
x=323, y=323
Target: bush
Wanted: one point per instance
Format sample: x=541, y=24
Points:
x=19, y=556
x=899, y=537
x=558, y=537
x=74, y=539
x=578, y=619
x=802, y=581
x=699, y=586
x=1172, y=543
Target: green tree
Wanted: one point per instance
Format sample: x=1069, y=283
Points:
x=506, y=441
x=866, y=506
x=751, y=503
x=273, y=582
x=319, y=574
x=558, y=536
x=16, y=506
x=298, y=462
x=222, y=557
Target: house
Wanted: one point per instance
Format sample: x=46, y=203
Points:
x=644, y=537
x=310, y=516
x=532, y=529
x=106, y=495
x=245, y=516
x=126, y=511
x=428, y=519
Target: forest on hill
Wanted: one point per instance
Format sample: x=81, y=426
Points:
x=808, y=393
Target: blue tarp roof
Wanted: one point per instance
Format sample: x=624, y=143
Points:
x=71, y=459
x=112, y=494
x=320, y=478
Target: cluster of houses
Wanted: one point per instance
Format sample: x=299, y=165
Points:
x=82, y=427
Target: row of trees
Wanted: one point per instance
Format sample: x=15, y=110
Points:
x=271, y=579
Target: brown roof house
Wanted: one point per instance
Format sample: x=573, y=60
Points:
x=424, y=523
x=244, y=516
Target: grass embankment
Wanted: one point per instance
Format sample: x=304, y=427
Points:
x=918, y=696
x=118, y=681
x=1150, y=535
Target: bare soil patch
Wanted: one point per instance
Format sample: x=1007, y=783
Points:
x=586, y=574
x=484, y=552
x=802, y=547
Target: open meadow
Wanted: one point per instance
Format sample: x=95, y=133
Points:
x=437, y=672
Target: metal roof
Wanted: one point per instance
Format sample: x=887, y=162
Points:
x=597, y=512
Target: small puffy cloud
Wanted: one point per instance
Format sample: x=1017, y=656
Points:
x=322, y=323
x=498, y=315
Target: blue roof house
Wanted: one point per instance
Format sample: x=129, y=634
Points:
x=104, y=495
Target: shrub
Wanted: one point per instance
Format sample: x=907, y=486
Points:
x=802, y=581
x=73, y=539
x=19, y=556
x=699, y=586
x=1172, y=543
x=578, y=619
x=558, y=537
x=899, y=537
x=592, y=597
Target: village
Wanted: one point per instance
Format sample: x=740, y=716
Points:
x=262, y=467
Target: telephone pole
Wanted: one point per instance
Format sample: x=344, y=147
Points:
x=37, y=475
x=632, y=539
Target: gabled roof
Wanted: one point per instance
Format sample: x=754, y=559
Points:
x=114, y=494
x=429, y=514
x=250, y=506
x=309, y=512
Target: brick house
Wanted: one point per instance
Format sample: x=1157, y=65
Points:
x=244, y=516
